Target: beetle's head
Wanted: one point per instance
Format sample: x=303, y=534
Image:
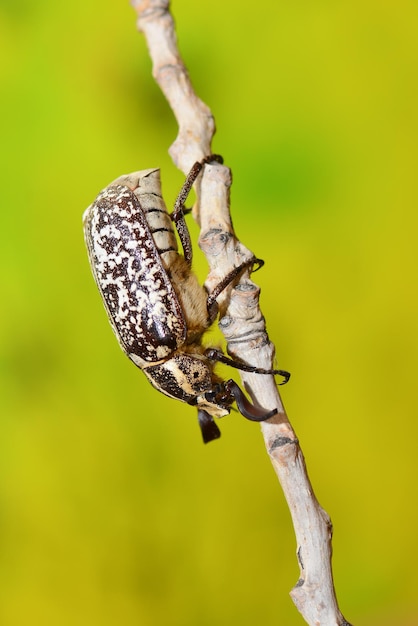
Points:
x=191, y=379
x=217, y=402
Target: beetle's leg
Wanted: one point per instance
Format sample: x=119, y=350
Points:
x=225, y=282
x=216, y=355
x=178, y=213
x=208, y=428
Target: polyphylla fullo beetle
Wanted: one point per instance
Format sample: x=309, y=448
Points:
x=158, y=310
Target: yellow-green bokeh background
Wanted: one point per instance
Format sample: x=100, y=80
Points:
x=111, y=510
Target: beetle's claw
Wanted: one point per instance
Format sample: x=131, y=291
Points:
x=259, y=263
x=286, y=376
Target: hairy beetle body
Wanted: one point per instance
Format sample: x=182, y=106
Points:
x=157, y=308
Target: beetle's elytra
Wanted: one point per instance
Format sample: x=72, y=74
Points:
x=156, y=306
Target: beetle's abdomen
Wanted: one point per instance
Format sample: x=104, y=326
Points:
x=159, y=223
x=146, y=186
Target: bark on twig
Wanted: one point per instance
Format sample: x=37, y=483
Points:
x=241, y=320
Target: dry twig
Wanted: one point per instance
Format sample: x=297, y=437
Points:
x=241, y=320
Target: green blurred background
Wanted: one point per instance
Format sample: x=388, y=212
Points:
x=111, y=509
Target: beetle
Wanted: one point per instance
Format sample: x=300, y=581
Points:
x=157, y=308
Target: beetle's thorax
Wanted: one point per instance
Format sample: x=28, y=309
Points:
x=186, y=377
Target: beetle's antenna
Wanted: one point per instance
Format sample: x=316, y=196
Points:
x=216, y=355
x=245, y=407
x=208, y=428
